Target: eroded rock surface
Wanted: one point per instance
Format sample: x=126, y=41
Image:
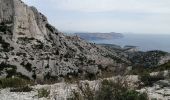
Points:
x=30, y=46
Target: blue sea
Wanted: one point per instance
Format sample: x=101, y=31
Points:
x=145, y=42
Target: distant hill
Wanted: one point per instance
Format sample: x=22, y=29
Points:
x=144, y=59
x=99, y=36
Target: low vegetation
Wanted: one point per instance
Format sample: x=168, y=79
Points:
x=149, y=80
x=147, y=59
x=11, y=70
x=21, y=89
x=144, y=73
x=27, y=66
x=51, y=28
x=5, y=46
x=16, y=84
x=43, y=93
x=137, y=70
x=108, y=90
x=4, y=28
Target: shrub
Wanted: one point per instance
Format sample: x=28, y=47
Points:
x=20, y=75
x=90, y=76
x=137, y=70
x=3, y=27
x=149, y=80
x=76, y=96
x=14, y=82
x=84, y=92
x=21, y=54
x=25, y=39
x=27, y=66
x=34, y=76
x=51, y=28
x=147, y=59
x=21, y=89
x=68, y=55
x=71, y=77
x=43, y=93
x=5, y=46
x=10, y=72
x=105, y=92
x=11, y=69
x=108, y=90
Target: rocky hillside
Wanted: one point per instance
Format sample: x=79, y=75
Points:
x=148, y=59
x=32, y=48
x=145, y=59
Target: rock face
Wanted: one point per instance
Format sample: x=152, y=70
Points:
x=27, y=21
x=31, y=47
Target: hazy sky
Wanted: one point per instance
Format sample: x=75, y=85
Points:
x=134, y=16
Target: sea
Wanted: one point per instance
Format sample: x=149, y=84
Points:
x=144, y=42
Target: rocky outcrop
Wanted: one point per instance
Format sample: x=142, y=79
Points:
x=164, y=59
x=31, y=47
x=6, y=10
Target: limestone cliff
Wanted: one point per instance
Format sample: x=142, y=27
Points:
x=31, y=47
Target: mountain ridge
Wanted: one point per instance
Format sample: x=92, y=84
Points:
x=99, y=36
x=33, y=48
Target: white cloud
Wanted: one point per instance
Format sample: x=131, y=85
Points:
x=155, y=15
x=149, y=6
x=115, y=25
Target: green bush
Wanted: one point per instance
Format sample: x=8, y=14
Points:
x=137, y=70
x=14, y=82
x=149, y=80
x=3, y=27
x=21, y=89
x=27, y=66
x=5, y=46
x=51, y=28
x=108, y=90
x=10, y=69
x=84, y=92
x=43, y=93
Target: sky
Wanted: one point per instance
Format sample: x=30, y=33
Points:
x=124, y=16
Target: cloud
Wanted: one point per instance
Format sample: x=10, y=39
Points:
x=146, y=25
x=144, y=6
x=140, y=16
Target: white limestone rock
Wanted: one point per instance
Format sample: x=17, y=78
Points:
x=36, y=48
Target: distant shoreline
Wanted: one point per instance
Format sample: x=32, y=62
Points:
x=144, y=42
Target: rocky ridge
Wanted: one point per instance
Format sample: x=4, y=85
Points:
x=32, y=48
x=99, y=36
